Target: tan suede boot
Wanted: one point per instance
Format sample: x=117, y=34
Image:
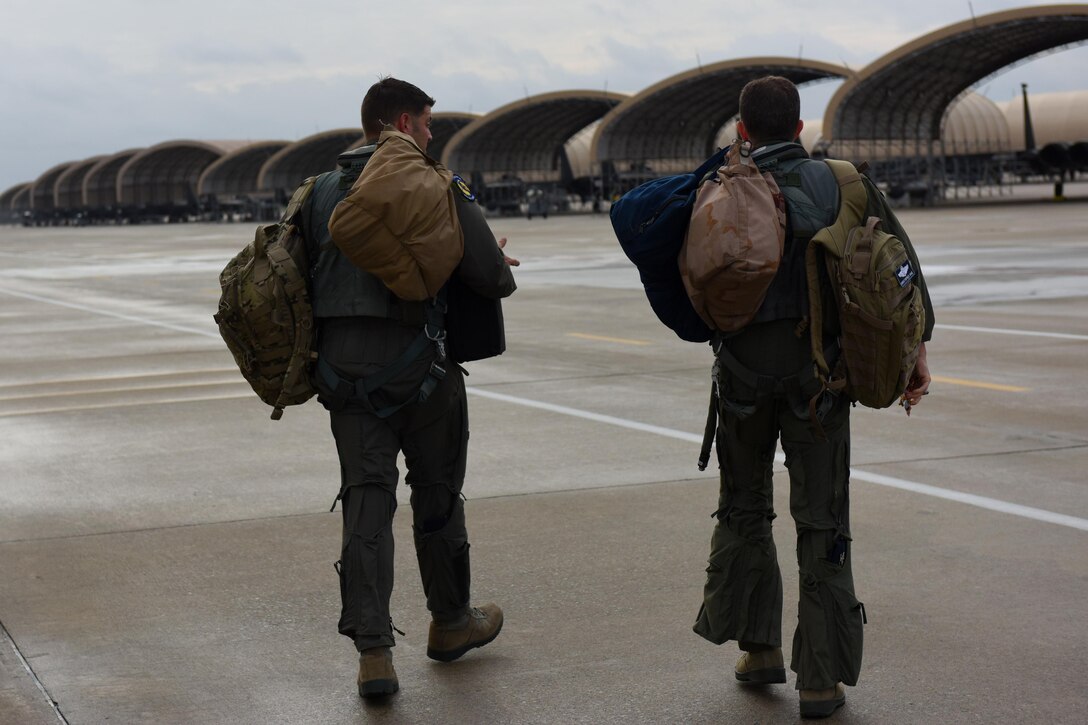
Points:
x=764, y=668
x=376, y=674
x=822, y=703
x=447, y=641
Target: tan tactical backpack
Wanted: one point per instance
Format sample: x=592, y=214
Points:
x=734, y=242
x=881, y=312
x=264, y=313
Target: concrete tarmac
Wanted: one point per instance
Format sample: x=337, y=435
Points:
x=166, y=550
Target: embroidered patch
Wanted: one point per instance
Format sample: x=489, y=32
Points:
x=461, y=186
x=904, y=274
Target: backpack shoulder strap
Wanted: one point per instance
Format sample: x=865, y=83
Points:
x=853, y=199
x=302, y=193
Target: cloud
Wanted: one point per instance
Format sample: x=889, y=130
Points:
x=89, y=78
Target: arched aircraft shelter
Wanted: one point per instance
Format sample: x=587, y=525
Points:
x=525, y=138
x=444, y=126
x=41, y=191
x=236, y=173
x=894, y=107
x=68, y=189
x=316, y=154
x=672, y=125
x=100, y=183
x=166, y=175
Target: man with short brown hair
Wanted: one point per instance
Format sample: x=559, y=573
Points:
x=384, y=375
x=765, y=384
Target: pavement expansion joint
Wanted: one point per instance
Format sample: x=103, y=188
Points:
x=969, y=456
x=6, y=636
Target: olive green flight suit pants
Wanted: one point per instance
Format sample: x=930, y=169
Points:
x=433, y=436
x=743, y=591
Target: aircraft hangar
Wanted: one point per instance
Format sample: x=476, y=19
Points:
x=523, y=143
x=100, y=183
x=68, y=189
x=890, y=112
x=896, y=113
x=671, y=126
x=41, y=191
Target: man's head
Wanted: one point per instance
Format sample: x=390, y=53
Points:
x=770, y=110
x=400, y=105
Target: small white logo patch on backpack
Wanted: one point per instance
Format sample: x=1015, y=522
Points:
x=905, y=274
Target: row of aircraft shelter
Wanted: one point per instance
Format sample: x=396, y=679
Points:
x=909, y=114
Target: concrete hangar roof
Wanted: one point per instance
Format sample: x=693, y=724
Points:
x=526, y=137
x=905, y=94
x=316, y=154
x=675, y=122
x=168, y=173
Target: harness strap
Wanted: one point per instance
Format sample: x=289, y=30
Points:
x=790, y=386
x=360, y=389
x=711, y=426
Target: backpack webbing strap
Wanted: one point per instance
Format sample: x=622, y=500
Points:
x=302, y=193
x=853, y=199
x=279, y=258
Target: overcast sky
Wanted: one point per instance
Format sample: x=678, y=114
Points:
x=78, y=79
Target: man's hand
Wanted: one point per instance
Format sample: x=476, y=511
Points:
x=509, y=260
x=919, y=381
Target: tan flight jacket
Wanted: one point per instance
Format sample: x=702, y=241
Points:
x=399, y=221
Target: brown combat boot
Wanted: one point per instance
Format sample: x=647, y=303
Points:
x=822, y=703
x=376, y=674
x=447, y=641
x=762, y=668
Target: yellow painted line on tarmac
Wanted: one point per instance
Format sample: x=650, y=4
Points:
x=979, y=384
x=603, y=338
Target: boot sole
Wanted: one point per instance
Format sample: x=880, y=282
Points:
x=450, y=655
x=378, y=688
x=767, y=676
x=821, y=708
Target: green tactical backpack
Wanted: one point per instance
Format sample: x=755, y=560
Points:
x=264, y=313
x=880, y=308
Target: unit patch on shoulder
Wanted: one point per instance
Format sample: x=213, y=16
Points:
x=462, y=188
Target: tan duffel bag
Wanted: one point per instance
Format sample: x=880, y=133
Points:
x=399, y=221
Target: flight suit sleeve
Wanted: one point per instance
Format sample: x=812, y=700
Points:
x=483, y=268
x=892, y=226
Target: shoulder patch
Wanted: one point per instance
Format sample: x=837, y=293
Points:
x=462, y=188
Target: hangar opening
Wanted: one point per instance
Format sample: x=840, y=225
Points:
x=673, y=125
x=892, y=112
x=520, y=151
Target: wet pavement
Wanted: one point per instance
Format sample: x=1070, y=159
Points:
x=166, y=550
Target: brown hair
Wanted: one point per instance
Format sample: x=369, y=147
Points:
x=770, y=108
x=386, y=100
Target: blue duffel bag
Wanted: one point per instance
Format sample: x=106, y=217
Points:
x=650, y=222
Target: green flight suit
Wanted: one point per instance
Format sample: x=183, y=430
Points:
x=765, y=380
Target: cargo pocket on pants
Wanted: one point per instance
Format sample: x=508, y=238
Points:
x=845, y=631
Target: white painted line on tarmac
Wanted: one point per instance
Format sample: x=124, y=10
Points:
x=1000, y=331
x=985, y=502
x=118, y=315
x=586, y=415
x=970, y=499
